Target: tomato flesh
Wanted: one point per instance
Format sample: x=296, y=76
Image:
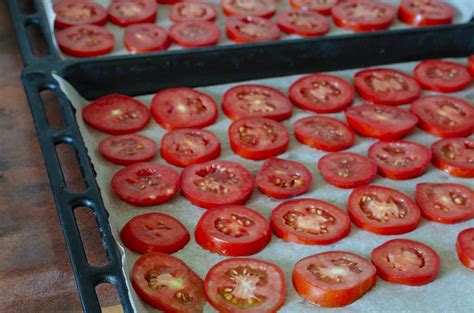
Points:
x=465, y=247
x=454, y=156
x=85, y=40
x=146, y=38
x=245, y=29
x=261, y=8
x=195, y=34
x=470, y=66
x=318, y=6
x=192, y=11
x=127, y=12
x=72, y=13
x=128, y=149
x=425, y=12
x=303, y=23
x=442, y=76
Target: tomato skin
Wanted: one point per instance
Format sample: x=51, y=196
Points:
x=443, y=150
x=320, y=24
x=269, y=30
x=73, y=46
x=160, y=40
x=134, y=155
x=208, y=9
x=179, y=34
x=321, y=8
x=465, y=247
x=62, y=8
x=470, y=65
x=442, y=76
x=267, y=8
x=411, y=16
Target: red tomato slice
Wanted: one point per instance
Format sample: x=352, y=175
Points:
x=245, y=29
x=363, y=15
x=169, y=1
x=386, y=86
x=382, y=210
x=145, y=184
x=318, y=6
x=303, y=23
x=245, y=285
x=256, y=100
x=258, y=138
x=310, y=222
x=346, y=169
x=444, y=116
x=71, y=13
x=195, y=34
x=146, y=38
x=400, y=159
x=116, y=114
x=426, y=12
x=189, y=146
x=454, y=156
x=470, y=65
x=128, y=149
x=324, y=133
x=282, y=179
x=262, y=8
x=178, y=108
x=233, y=230
x=128, y=12
x=465, y=247
x=445, y=203
x=334, y=278
x=381, y=121
x=442, y=76
x=406, y=262
x=85, y=40
x=167, y=283
x=215, y=183
x=192, y=12
x=154, y=232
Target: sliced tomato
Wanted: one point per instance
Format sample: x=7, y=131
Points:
x=116, y=114
x=282, y=179
x=454, y=156
x=245, y=285
x=382, y=210
x=321, y=93
x=178, y=108
x=154, y=232
x=445, y=203
x=85, y=40
x=258, y=138
x=363, y=15
x=303, y=23
x=127, y=12
x=72, y=13
x=215, y=183
x=470, y=66
x=195, y=34
x=145, y=184
x=386, y=86
x=256, y=100
x=334, y=278
x=442, y=76
x=167, y=283
x=233, y=230
x=324, y=133
x=244, y=29
x=128, y=149
x=262, y=8
x=465, y=247
x=425, y=12
x=444, y=116
x=189, y=146
x=146, y=37
x=192, y=12
x=310, y=222
x=318, y=6
x=381, y=121
x=400, y=159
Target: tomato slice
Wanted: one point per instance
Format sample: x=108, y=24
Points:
x=470, y=62
x=324, y=133
x=192, y=12
x=258, y=138
x=382, y=210
x=71, y=13
x=303, y=23
x=256, y=100
x=127, y=12
x=425, y=12
x=400, y=159
x=334, y=278
x=116, y=114
x=381, y=121
x=444, y=116
x=128, y=149
x=454, y=156
x=318, y=6
x=321, y=93
x=245, y=29
x=215, y=183
x=145, y=184
x=233, y=230
x=282, y=179
x=154, y=232
x=346, y=169
x=85, y=40
x=363, y=15
x=146, y=38
x=178, y=108
x=445, y=203
x=442, y=76
x=189, y=146
x=245, y=285
x=167, y=283
x=262, y=8
x=386, y=86
x=465, y=247
x=195, y=34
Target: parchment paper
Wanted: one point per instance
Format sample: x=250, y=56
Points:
x=453, y=289
x=464, y=12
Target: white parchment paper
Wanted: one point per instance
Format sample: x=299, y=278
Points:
x=453, y=289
